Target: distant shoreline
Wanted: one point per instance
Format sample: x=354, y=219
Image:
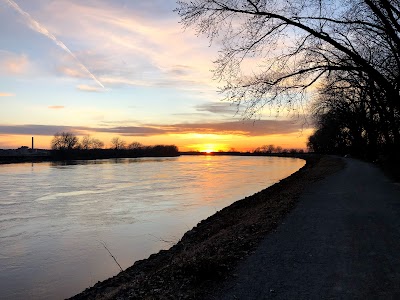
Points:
x=33, y=156
x=14, y=159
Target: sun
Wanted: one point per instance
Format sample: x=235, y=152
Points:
x=208, y=148
x=208, y=151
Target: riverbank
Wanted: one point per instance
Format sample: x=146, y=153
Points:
x=24, y=155
x=208, y=253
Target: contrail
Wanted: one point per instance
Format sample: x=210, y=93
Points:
x=36, y=26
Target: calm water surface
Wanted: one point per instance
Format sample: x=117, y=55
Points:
x=54, y=218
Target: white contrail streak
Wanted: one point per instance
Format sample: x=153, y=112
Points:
x=36, y=26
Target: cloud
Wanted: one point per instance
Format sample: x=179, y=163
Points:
x=6, y=95
x=11, y=63
x=132, y=130
x=71, y=72
x=39, y=28
x=46, y=130
x=242, y=128
x=56, y=107
x=179, y=70
x=90, y=88
x=34, y=129
x=136, y=44
x=218, y=108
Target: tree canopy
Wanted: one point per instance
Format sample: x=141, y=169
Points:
x=276, y=51
x=64, y=141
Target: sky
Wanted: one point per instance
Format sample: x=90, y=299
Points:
x=119, y=68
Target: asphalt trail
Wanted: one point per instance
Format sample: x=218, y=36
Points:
x=342, y=241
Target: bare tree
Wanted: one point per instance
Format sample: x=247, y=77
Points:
x=135, y=145
x=64, y=141
x=118, y=143
x=273, y=52
x=86, y=142
x=97, y=144
x=91, y=143
x=270, y=149
x=352, y=117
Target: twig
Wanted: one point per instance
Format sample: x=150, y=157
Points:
x=105, y=246
x=170, y=242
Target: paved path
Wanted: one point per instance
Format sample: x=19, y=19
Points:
x=342, y=241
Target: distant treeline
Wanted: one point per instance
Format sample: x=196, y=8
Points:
x=66, y=145
x=265, y=150
x=272, y=149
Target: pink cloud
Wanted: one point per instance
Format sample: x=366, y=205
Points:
x=7, y=95
x=11, y=63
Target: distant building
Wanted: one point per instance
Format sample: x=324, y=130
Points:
x=24, y=151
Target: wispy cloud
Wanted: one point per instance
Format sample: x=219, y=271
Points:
x=71, y=72
x=218, y=108
x=56, y=107
x=138, y=48
x=89, y=88
x=36, y=26
x=7, y=95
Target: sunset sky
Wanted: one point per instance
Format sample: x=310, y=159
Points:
x=119, y=68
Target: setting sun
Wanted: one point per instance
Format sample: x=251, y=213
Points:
x=209, y=148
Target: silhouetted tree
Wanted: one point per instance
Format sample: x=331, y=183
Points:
x=118, y=143
x=64, y=141
x=135, y=146
x=265, y=149
x=352, y=117
x=270, y=149
x=97, y=144
x=297, y=42
x=300, y=44
x=88, y=142
x=85, y=142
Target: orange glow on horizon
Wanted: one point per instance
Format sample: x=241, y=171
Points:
x=185, y=142
x=207, y=151
x=209, y=148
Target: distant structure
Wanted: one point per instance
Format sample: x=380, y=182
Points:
x=23, y=152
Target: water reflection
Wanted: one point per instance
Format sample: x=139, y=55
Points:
x=109, y=161
x=52, y=216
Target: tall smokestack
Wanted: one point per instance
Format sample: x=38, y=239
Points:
x=32, y=143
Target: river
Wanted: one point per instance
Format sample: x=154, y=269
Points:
x=56, y=219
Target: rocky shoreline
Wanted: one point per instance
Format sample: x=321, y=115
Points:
x=208, y=254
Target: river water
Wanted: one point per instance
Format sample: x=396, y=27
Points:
x=56, y=218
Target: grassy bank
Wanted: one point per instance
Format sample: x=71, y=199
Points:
x=209, y=252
